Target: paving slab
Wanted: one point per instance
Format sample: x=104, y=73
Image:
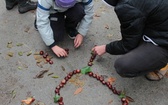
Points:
x=17, y=73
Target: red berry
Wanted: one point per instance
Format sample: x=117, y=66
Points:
x=41, y=52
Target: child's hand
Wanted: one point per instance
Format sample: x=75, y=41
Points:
x=60, y=52
x=78, y=40
x=99, y=50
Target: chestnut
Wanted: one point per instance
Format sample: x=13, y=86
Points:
x=51, y=62
x=41, y=52
x=90, y=63
x=78, y=71
x=56, y=91
x=90, y=73
x=61, y=103
x=61, y=99
x=63, y=81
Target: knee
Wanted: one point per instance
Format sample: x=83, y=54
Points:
x=123, y=68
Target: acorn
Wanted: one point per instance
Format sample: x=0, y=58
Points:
x=41, y=52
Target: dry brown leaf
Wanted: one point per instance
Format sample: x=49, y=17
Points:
x=28, y=101
x=79, y=90
x=166, y=75
x=111, y=80
x=110, y=101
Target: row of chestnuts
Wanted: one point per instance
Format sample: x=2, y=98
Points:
x=92, y=58
x=45, y=56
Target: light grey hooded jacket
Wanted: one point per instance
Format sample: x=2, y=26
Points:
x=47, y=7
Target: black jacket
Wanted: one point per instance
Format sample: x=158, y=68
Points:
x=138, y=18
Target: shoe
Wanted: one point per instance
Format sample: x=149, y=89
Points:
x=27, y=6
x=10, y=4
x=157, y=75
x=72, y=33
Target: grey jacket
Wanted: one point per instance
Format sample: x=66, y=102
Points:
x=47, y=7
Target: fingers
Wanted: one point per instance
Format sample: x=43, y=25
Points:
x=60, y=52
x=77, y=43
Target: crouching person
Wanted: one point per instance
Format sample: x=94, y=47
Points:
x=54, y=18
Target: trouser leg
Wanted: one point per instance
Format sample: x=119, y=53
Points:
x=57, y=22
x=74, y=15
x=143, y=59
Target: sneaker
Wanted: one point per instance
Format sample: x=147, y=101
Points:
x=157, y=75
x=72, y=33
x=29, y=5
x=10, y=5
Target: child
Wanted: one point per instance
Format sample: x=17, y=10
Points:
x=55, y=17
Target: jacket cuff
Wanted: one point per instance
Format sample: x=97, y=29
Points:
x=108, y=48
x=52, y=45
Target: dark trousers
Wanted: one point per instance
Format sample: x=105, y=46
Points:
x=20, y=2
x=143, y=59
x=69, y=19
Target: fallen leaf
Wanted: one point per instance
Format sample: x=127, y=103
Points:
x=55, y=76
x=50, y=74
x=19, y=44
x=9, y=45
x=29, y=53
x=28, y=101
x=79, y=90
x=166, y=75
x=110, y=101
x=63, y=68
x=40, y=75
x=130, y=99
x=20, y=53
x=10, y=54
x=111, y=80
x=106, y=26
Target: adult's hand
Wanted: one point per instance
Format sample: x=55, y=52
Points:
x=99, y=50
x=60, y=52
x=78, y=40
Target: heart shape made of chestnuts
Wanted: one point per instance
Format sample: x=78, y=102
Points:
x=58, y=99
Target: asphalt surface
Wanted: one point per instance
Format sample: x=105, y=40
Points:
x=17, y=82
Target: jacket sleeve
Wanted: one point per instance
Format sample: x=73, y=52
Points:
x=87, y=20
x=132, y=25
x=43, y=23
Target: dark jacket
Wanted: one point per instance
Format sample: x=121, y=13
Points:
x=138, y=18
